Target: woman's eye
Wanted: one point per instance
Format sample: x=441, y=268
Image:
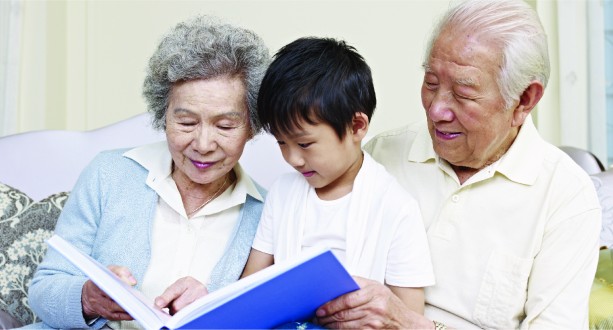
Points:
x=227, y=124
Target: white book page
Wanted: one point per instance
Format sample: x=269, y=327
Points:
x=133, y=301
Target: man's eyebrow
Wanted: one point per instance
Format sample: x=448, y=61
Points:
x=467, y=81
x=426, y=67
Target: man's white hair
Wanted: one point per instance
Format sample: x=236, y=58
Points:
x=515, y=28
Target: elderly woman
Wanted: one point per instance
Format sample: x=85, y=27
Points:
x=172, y=215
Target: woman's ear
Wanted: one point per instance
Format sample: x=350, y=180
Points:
x=527, y=101
x=359, y=126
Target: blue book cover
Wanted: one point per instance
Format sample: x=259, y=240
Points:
x=285, y=292
x=292, y=295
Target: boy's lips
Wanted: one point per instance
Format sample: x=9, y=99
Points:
x=308, y=174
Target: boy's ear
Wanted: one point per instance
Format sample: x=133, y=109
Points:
x=359, y=126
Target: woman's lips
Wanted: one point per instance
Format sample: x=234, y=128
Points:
x=308, y=174
x=447, y=135
x=201, y=165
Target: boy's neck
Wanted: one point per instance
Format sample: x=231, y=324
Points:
x=343, y=185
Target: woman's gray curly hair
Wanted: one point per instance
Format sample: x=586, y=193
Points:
x=203, y=48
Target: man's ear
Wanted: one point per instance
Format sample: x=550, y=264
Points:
x=527, y=101
x=359, y=126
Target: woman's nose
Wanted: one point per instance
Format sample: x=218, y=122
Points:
x=204, y=140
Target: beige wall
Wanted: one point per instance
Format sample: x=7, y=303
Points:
x=83, y=62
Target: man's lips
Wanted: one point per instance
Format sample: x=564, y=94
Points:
x=308, y=174
x=446, y=135
x=201, y=165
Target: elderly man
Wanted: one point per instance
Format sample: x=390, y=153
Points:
x=512, y=222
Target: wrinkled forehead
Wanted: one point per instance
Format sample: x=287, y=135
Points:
x=467, y=50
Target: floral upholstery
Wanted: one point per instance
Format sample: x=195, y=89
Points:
x=24, y=227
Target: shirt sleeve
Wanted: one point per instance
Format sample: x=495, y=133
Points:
x=409, y=263
x=563, y=271
x=264, y=237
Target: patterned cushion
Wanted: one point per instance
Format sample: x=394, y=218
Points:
x=24, y=227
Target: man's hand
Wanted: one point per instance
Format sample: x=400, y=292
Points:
x=373, y=306
x=96, y=303
x=180, y=294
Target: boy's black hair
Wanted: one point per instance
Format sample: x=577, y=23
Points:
x=315, y=80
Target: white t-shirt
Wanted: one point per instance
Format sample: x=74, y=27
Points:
x=326, y=224
x=397, y=253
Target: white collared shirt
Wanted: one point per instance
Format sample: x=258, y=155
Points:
x=516, y=245
x=180, y=246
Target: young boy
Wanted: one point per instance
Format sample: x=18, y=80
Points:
x=317, y=99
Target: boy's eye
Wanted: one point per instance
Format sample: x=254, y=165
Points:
x=304, y=145
x=280, y=143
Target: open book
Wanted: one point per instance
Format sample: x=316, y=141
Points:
x=284, y=292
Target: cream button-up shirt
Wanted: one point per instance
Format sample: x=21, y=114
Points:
x=180, y=246
x=514, y=246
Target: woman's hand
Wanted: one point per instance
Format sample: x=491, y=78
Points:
x=180, y=294
x=96, y=303
x=373, y=306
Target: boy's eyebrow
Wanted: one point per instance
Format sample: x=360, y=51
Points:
x=297, y=134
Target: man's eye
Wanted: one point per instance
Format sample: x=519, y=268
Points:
x=463, y=97
x=187, y=123
x=430, y=86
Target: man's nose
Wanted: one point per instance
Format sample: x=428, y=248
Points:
x=440, y=108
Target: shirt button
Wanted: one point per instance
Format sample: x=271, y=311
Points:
x=455, y=198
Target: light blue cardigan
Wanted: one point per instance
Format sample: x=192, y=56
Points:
x=109, y=216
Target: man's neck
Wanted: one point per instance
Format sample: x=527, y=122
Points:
x=464, y=173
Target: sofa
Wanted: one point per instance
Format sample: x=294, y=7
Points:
x=39, y=169
x=37, y=172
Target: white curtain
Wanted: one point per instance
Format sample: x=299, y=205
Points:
x=582, y=76
x=10, y=37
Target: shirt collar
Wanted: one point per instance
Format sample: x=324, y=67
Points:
x=156, y=159
x=421, y=150
x=520, y=163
